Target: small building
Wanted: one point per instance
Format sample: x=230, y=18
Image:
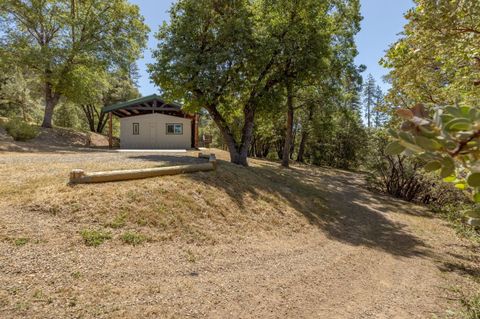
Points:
x=151, y=123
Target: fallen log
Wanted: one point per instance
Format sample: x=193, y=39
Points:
x=78, y=176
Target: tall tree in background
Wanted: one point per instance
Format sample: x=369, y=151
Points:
x=305, y=50
x=56, y=38
x=121, y=87
x=338, y=137
x=323, y=35
x=95, y=89
x=379, y=111
x=16, y=93
x=210, y=56
x=369, y=93
x=340, y=82
x=235, y=57
x=312, y=100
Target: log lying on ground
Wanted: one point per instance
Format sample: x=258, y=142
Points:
x=78, y=176
x=211, y=158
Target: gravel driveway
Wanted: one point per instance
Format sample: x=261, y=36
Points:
x=359, y=255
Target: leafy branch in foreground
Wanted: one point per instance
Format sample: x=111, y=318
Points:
x=449, y=143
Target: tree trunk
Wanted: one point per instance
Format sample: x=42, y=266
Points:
x=238, y=151
x=226, y=133
x=265, y=150
x=89, y=116
x=51, y=100
x=289, y=127
x=292, y=142
x=304, y=137
x=102, y=121
x=301, y=148
x=253, y=147
x=279, y=147
x=247, y=135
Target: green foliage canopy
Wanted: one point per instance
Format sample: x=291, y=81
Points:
x=60, y=39
x=438, y=58
x=232, y=57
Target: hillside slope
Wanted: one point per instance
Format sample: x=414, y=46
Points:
x=54, y=139
x=240, y=242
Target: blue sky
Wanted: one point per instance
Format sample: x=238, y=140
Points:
x=383, y=20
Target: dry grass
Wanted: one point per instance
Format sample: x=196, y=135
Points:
x=52, y=139
x=248, y=242
x=199, y=207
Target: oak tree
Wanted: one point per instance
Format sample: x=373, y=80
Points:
x=58, y=39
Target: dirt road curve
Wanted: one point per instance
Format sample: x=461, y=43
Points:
x=372, y=258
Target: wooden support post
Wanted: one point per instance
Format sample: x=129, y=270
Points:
x=195, y=130
x=213, y=160
x=110, y=138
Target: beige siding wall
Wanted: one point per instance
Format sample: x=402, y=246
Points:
x=153, y=132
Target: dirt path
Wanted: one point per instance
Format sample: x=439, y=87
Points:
x=371, y=257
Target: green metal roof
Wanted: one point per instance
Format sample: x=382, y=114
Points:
x=130, y=103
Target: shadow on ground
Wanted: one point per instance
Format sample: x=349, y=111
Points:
x=167, y=160
x=334, y=201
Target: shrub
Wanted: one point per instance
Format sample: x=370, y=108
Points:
x=403, y=177
x=20, y=130
x=133, y=238
x=94, y=237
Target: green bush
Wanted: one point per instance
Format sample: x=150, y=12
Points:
x=404, y=177
x=20, y=130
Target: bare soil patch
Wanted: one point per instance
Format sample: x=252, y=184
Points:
x=238, y=242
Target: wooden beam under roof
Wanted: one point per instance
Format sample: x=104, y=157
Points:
x=140, y=108
x=125, y=112
x=146, y=105
x=144, y=108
